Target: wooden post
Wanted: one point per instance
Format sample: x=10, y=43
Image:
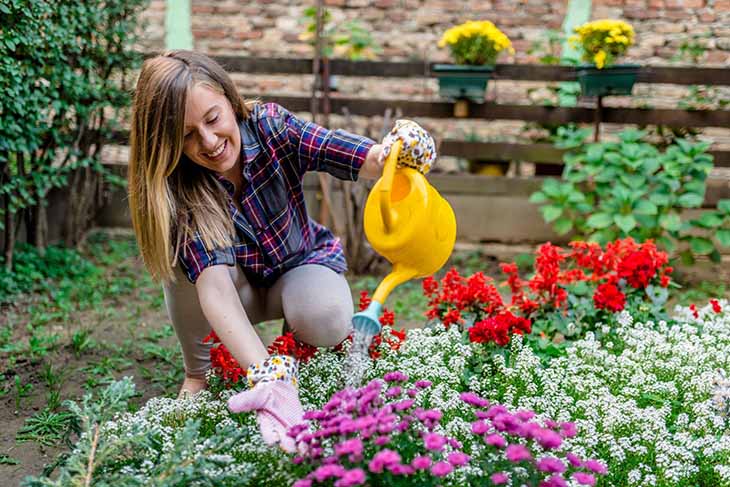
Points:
x=597, y=119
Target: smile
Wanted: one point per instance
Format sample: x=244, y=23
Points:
x=218, y=151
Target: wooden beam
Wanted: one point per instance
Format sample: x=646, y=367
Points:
x=534, y=113
x=423, y=69
x=541, y=153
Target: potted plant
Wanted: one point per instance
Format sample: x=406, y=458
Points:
x=602, y=42
x=475, y=46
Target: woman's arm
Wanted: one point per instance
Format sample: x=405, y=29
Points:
x=222, y=308
x=372, y=168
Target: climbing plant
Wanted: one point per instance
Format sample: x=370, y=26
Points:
x=63, y=67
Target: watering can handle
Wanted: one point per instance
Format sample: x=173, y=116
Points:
x=387, y=185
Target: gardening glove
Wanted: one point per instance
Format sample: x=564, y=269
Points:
x=419, y=149
x=273, y=395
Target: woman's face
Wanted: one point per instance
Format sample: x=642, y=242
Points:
x=212, y=139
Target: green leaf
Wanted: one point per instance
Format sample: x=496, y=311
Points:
x=724, y=206
x=563, y=225
x=599, y=220
x=723, y=236
x=551, y=213
x=671, y=222
x=708, y=220
x=538, y=197
x=645, y=207
x=690, y=200
x=659, y=199
x=666, y=243
x=687, y=257
x=715, y=256
x=625, y=222
x=701, y=245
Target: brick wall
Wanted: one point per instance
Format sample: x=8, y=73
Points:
x=410, y=29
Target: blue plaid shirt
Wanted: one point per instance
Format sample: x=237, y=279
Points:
x=274, y=232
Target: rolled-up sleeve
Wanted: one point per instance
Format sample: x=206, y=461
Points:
x=337, y=152
x=194, y=257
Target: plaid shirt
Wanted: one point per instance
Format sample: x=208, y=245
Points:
x=274, y=232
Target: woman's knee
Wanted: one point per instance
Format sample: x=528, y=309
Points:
x=321, y=324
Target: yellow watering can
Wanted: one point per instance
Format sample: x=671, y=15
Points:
x=409, y=223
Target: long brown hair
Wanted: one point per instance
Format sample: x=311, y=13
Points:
x=172, y=199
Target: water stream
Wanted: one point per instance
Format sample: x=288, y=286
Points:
x=358, y=360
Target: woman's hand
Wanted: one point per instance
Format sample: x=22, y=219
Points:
x=274, y=397
x=419, y=148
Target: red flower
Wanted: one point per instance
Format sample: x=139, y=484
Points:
x=223, y=362
x=693, y=308
x=716, y=306
x=498, y=329
x=286, y=344
x=610, y=297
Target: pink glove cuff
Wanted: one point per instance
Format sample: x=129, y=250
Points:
x=274, y=368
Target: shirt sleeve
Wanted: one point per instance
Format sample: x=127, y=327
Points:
x=337, y=152
x=194, y=257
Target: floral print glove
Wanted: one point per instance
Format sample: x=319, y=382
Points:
x=419, y=149
x=273, y=395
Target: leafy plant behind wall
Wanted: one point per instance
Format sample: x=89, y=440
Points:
x=612, y=190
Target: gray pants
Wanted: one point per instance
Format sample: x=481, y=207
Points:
x=314, y=300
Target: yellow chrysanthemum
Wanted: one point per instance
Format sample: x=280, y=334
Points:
x=475, y=42
x=602, y=41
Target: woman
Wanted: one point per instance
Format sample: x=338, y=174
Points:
x=215, y=192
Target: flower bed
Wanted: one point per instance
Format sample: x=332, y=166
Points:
x=628, y=399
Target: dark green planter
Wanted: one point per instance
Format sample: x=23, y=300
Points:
x=613, y=80
x=461, y=81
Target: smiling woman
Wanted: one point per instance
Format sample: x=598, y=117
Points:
x=215, y=192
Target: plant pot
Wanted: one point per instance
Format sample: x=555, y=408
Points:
x=458, y=81
x=613, y=80
x=488, y=168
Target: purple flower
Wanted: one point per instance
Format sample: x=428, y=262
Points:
x=394, y=391
x=400, y=469
x=434, y=441
x=554, y=481
x=455, y=444
x=524, y=415
x=421, y=462
x=550, y=465
x=381, y=440
x=349, y=447
x=403, y=405
x=506, y=422
x=326, y=471
x=517, y=453
x=429, y=415
x=302, y=483
x=574, y=459
x=382, y=459
x=584, y=478
x=441, y=469
x=495, y=410
x=499, y=478
x=548, y=439
x=397, y=376
x=596, y=467
x=412, y=392
x=479, y=427
x=568, y=429
x=457, y=458
x=495, y=439
x=473, y=399
x=356, y=476
x=422, y=384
